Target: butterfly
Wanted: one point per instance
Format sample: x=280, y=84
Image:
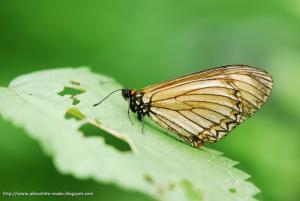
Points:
x=204, y=106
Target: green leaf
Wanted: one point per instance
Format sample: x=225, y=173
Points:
x=100, y=142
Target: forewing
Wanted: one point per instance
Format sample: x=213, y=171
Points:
x=209, y=104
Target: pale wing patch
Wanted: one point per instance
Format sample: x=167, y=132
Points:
x=158, y=121
x=247, y=79
x=172, y=104
x=251, y=89
x=199, y=120
x=183, y=88
x=224, y=110
x=218, y=99
x=215, y=117
x=165, y=123
x=253, y=100
x=212, y=131
x=178, y=119
x=216, y=130
x=228, y=92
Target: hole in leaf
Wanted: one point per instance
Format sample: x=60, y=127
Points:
x=149, y=179
x=73, y=92
x=74, y=113
x=75, y=83
x=89, y=129
x=75, y=101
x=191, y=192
x=232, y=190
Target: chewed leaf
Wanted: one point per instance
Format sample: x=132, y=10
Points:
x=100, y=142
x=74, y=113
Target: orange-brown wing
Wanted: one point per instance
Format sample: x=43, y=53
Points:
x=208, y=104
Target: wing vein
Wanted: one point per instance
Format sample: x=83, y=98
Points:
x=266, y=94
x=188, y=103
x=204, y=128
x=170, y=127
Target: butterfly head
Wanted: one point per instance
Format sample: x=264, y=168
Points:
x=128, y=93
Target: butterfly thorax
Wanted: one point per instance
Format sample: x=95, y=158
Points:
x=136, y=103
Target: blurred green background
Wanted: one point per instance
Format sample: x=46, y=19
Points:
x=143, y=42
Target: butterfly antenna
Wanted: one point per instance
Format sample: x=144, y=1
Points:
x=106, y=97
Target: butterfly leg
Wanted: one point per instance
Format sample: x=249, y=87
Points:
x=143, y=124
x=128, y=112
x=141, y=117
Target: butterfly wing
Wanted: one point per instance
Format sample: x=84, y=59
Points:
x=207, y=105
